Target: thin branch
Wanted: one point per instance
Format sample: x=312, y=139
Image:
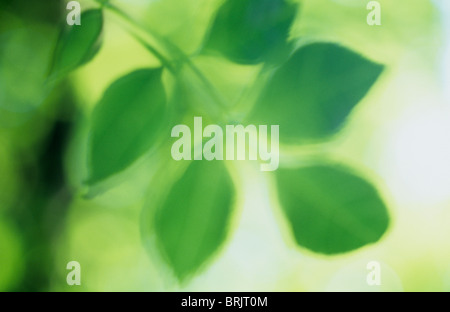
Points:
x=171, y=48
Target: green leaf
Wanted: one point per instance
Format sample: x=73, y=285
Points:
x=252, y=31
x=78, y=44
x=126, y=123
x=313, y=93
x=192, y=222
x=331, y=210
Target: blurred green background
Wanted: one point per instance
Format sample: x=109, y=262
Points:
x=399, y=133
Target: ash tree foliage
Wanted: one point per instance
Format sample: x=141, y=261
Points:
x=308, y=90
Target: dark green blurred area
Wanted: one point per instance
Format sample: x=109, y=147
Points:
x=35, y=122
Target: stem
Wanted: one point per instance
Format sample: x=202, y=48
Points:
x=250, y=95
x=171, y=49
x=155, y=52
x=160, y=56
